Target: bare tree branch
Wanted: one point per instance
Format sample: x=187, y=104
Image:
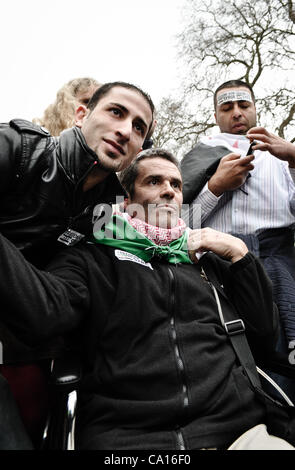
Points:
x=222, y=40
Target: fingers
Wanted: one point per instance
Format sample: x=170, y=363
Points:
x=237, y=160
x=195, y=239
x=202, y=239
x=236, y=156
x=261, y=134
x=272, y=143
x=256, y=131
x=231, y=156
x=244, y=161
x=231, y=173
x=223, y=244
x=193, y=244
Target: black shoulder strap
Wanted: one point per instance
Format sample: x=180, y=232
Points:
x=235, y=329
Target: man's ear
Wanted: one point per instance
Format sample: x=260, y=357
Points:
x=215, y=117
x=126, y=202
x=80, y=114
x=132, y=208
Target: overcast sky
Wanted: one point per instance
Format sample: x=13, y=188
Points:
x=46, y=44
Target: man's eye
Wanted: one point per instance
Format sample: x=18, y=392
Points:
x=153, y=181
x=176, y=184
x=116, y=111
x=139, y=128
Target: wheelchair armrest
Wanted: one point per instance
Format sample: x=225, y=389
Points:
x=66, y=372
x=278, y=363
x=65, y=377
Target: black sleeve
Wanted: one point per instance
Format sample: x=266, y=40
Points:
x=197, y=167
x=249, y=289
x=38, y=304
x=252, y=295
x=10, y=148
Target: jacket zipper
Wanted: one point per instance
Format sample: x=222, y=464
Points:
x=81, y=180
x=72, y=219
x=76, y=186
x=179, y=361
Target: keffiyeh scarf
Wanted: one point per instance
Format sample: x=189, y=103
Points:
x=144, y=240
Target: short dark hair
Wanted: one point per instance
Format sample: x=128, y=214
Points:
x=128, y=176
x=106, y=87
x=233, y=84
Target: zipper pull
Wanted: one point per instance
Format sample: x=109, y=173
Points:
x=204, y=275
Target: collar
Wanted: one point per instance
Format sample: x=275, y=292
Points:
x=74, y=154
x=234, y=142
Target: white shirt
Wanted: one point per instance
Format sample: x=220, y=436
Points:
x=269, y=202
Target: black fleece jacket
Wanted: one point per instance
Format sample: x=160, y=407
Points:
x=160, y=372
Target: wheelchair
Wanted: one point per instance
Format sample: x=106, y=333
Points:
x=59, y=431
x=66, y=374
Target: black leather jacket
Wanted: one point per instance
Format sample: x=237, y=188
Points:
x=41, y=179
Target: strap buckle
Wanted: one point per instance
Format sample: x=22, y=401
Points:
x=234, y=327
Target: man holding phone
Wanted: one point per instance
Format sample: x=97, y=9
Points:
x=261, y=209
x=214, y=172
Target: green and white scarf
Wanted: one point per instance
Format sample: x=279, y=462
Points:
x=119, y=233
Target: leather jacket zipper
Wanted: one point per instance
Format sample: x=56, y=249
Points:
x=76, y=187
x=72, y=219
x=81, y=180
x=179, y=361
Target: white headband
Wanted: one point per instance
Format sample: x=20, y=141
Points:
x=234, y=96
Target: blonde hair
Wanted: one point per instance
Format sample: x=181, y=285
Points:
x=60, y=115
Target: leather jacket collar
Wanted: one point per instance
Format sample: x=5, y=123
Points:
x=74, y=154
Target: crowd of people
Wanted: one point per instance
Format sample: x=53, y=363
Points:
x=94, y=241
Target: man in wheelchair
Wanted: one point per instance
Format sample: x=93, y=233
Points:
x=155, y=305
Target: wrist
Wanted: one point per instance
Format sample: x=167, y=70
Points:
x=291, y=159
x=215, y=188
x=239, y=253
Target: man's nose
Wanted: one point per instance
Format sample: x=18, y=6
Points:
x=124, y=129
x=236, y=111
x=167, y=191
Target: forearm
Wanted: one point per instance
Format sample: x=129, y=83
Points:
x=207, y=201
x=38, y=304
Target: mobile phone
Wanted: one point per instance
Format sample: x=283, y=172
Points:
x=250, y=151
